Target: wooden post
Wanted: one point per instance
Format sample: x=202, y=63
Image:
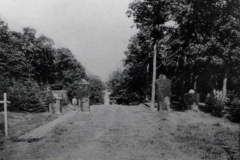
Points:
x=5, y=113
x=50, y=108
x=224, y=90
x=195, y=83
x=79, y=104
x=154, y=77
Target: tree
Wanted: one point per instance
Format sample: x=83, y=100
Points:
x=67, y=70
x=44, y=59
x=152, y=16
x=96, y=90
x=12, y=61
x=28, y=64
x=213, y=37
x=115, y=81
x=138, y=59
x=206, y=35
x=126, y=85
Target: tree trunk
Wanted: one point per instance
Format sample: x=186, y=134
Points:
x=195, y=86
x=154, y=77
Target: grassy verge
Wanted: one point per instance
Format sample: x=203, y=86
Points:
x=205, y=137
x=21, y=123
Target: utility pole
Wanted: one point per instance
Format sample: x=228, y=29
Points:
x=154, y=77
x=147, y=70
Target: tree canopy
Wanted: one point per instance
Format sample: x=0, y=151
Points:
x=197, y=41
x=30, y=64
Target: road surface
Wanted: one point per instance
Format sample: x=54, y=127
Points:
x=106, y=98
x=111, y=132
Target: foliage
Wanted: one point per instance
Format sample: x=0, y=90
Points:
x=232, y=107
x=30, y=64
x=202, y=46
x=214, y=105
x=26, y=96
x=96, y=90
x=130, y=83
x=115, y=81
x=228, y=108
x=66, y=68
x=126, y=88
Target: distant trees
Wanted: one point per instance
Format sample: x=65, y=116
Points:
x=28, y=64
x=123, y=86
x=115, y=81
x=67, y=71
x=96, y=89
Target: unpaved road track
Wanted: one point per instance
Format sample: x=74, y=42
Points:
x=110, y=132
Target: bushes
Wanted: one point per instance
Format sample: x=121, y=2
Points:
x=214, y=106
x=26, y=96
x=230, y=108
x=190, y=98
x=95, y=90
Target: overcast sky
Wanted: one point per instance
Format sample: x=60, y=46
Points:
x=96, y=31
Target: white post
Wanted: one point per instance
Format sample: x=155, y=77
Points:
x=154, y=77
x=5, y=113
x=224, y=90
x=195, y=85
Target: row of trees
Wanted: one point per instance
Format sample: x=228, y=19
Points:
x=194, y=41
x=30, y=64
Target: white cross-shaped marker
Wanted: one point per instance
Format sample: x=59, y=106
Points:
x=5, y=113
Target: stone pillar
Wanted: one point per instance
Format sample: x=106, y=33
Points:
x=167, y=103
x=50, y=108
x=74, y=103
x=57, y=106
x=79, y=105
x=194, y=107
x=85, y=105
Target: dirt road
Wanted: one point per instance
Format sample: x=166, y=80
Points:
x=128, y=132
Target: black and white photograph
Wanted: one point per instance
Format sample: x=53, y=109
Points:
x=119, y=79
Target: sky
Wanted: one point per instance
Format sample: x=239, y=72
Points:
x=96, y=31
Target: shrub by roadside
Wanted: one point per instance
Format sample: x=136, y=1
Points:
x=230, y=108
x=26, y=96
